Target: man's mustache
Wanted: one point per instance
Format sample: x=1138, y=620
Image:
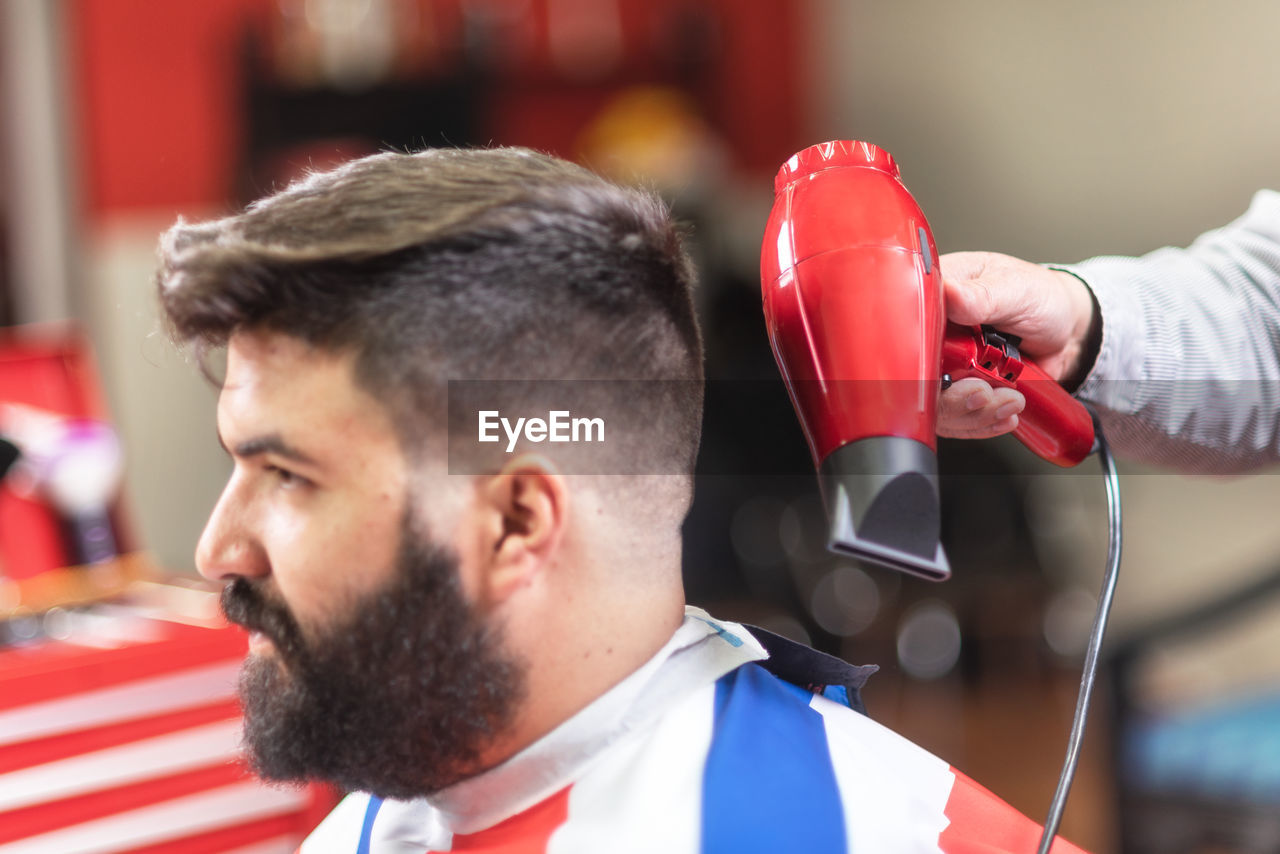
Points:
x=246, y=605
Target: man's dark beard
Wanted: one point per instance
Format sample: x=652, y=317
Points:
x=399, y=699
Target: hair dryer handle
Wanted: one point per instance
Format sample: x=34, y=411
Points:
x=1054, y=425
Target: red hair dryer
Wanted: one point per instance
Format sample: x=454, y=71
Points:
x=853, y=302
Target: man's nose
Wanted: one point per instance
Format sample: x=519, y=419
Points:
x=229, y=546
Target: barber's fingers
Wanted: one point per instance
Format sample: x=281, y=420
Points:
x=972, y=409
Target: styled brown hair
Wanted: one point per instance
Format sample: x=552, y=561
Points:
x=468, y=264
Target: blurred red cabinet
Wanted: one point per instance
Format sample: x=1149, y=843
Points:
x=52, y=369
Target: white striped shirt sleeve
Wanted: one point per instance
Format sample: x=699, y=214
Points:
x=1188, y=374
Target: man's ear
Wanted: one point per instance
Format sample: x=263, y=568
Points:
x=525, y=507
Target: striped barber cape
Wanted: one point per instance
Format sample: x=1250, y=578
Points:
x=715, y=745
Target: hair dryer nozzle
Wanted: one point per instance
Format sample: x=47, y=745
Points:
x=882, y=499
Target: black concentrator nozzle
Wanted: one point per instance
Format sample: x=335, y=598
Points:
x=882, y=499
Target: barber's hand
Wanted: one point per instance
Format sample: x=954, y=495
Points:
x=1049, y=310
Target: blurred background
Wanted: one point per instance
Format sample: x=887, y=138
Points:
x=1054, y=132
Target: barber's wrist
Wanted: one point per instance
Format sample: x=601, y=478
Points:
x=1086, y=333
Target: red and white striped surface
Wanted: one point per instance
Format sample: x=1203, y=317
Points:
x=134, y=748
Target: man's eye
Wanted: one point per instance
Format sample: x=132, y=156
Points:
x=286, y=478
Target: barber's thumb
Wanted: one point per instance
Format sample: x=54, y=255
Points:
x=968, y=301
x=967, y=295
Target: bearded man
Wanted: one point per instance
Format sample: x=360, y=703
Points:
x=483, y=636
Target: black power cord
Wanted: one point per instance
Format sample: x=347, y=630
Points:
x=1090, y=671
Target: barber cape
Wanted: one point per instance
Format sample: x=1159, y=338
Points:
x=727, y=740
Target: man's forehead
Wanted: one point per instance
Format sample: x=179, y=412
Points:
x=276, y=382
x=278, y=386
x=259, y=354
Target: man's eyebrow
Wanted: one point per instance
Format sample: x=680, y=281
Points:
x=270, y=443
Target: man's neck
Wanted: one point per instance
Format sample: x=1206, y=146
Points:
x=577, y=653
